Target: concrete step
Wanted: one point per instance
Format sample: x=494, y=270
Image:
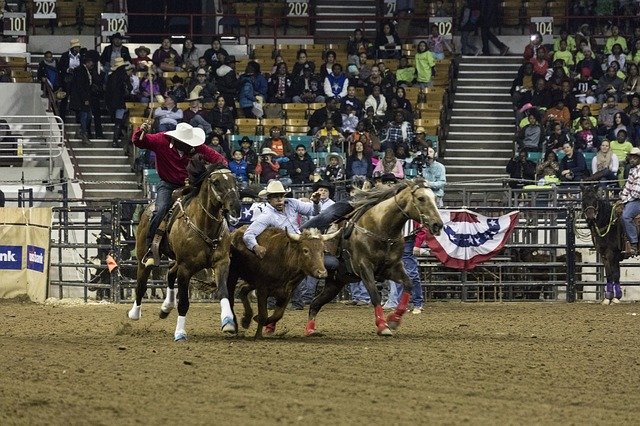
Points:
x=101, y=159
x=105, y=168
x=481, y=112
x=493, y=82
x=112, y=193
x=107, y=184
x=480, y=144
x=458, y=150
x=476, y=98
x=466, y=121
x=498, y=60
x=488, y=137
x=105, y=175
x=491, y=90
x=471, y=161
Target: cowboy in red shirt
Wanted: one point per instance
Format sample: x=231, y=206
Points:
x=173, y=151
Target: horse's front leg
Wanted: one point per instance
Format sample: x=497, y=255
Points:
x=169, y=302
x=142, y=277
x=184, y=276
x=399, y=275
x=366, y=273
x=227, y=321
x=330, y=290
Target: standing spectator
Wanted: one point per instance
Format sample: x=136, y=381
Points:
x=468, y=26
x=168, y=115
x=630, y=197
x=488, y=16
x=247, y=92
x=336, y=83
x=437, y=44
x=48, y=72
x=300, y=166
x=390, y=164
x=118, y=88
x=522, y=171
x=435, y=174
x=81, y=96
x=166, y=57
x=112, y=52
x=69, y=61
x=388, y=42
x=212, y=54
x=425, y=61
x=190, y=55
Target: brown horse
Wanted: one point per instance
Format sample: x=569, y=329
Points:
x=373, y=251
x=197, y=238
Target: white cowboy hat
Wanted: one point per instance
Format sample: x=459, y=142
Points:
x=192, y=136
x=273, y=187
x=194, y=96
x=119, y=62
x=268, y=151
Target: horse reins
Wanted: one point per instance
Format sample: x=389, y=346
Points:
x=612, y=219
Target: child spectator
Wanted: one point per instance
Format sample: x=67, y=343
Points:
x=334, y=170
x=328, y=139
x=425, y=61
x=215, y=144
x=239, y=168
x=564, y=54
x=249, y=155
x=586, y=139
x=300, y=166
x=437, y=44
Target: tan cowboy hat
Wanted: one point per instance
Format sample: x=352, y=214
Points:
x=268, y=151
x=74, y=43
x=634, y=151
x=273, y=187
x=202, y=71
x=141, y=48
x=160, y=99
x=119, y=62
x=192, y=136
x=194, y=96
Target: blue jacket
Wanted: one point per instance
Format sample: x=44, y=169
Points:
x=239, y=169
x=246, y=96
x=435, y=174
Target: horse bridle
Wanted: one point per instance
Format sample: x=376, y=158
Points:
x=423, y=217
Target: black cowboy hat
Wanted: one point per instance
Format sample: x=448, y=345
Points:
x=117, y=35
x=388, y=178
x=324, y=184
x=246, y=139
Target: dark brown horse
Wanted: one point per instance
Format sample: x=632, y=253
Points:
x=197, y=238
x=607, y=235
x=373, y=251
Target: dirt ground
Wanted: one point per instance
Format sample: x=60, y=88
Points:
x=516, y=363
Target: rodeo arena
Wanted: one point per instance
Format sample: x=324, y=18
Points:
x=382, y=211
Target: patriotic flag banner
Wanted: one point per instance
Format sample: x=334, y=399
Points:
x=468, y=238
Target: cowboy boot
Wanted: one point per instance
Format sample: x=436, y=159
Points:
x=630, y=249
x=115, y=143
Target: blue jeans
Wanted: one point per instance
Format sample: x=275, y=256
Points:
x=413, y=271
x=395, y=289
x=162, y=206
x=359, y=292
x=304, y=292
x=85, y=121
x=631, y=210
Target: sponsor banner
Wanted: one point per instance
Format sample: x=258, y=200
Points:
x=24, y=252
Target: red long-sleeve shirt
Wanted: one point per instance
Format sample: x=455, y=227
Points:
x=171, y=166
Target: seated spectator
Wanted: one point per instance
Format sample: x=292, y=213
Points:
x=277, y=143
x=437, y=44
x=635, y=53
x=558, y=114
x=585, y=87
x=328, y=139
x=202, y=65
x=280, y=85
x=522, y=86
x=573, y=167
x=425, y=61
x=620, y=122
x=249, y=155
x=621, y=147
x=217, y=146
x=541, y=97
x=564, y=54
x=530, y=137
x=607, y=113
x=540, y=65
x=168, y=115
x=352, y=101
x=277, y=61
x=390, y=164
x=585, y=112
x=190, y=56
x=178, y=91
x=388, y=85
x=521, y=170
x=557, y=138
x=403, y=102
x=166, y=57
x=388, y=42
x=609, y=85
x=267, y=168
x=567, y=38
x=567, y=96
x=548, y=166
x=590, y=63
x=535, y=45
x=148, y=85
x=306, y=88
x=336, y=83
x=300, y=166
x=614, y=39
x=617, y=56
x=320, y=116
x=222, y=120
x=633, y=112
x=632, y=82
x=359, y=162
x=586, y=138
x=357, y=45
x=377, y=101
x=334, y=170
x=302, y=63
x=605, y=164
x=363, y=136
x=216, y=54
x=238, y=167
x=373, y=123
x=142, y=60
x=207, y=88
x=195, y=115
x=360, y=71
x=399, y=132
x=327, y=67
x=248, y=93
x=349, y=121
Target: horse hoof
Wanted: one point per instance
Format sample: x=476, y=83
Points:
x=180, y=336
x=310, y=329
x=269, y=328
x=163, y=314
x=606, y=302
x=228, y=325
x=615, y=300
x=393, y=325
x=246, y=322
x=386, y=332
x=393, y=321
x=134, y=314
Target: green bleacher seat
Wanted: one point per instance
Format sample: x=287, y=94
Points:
x=537, y=156
x=257, y=141
x=534, y=156
x=305, y=140
x=151, y=177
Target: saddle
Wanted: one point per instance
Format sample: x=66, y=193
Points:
x=627, y=248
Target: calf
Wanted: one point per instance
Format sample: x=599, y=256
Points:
x=288, y=259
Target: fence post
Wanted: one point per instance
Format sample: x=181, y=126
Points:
x=571, y=254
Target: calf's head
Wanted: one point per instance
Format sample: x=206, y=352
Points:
x=309, y=247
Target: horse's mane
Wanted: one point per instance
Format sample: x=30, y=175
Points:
x=364, y=200
x=199, y=171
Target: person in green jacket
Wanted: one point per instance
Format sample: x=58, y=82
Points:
x=424, y=64
x=405, y=74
